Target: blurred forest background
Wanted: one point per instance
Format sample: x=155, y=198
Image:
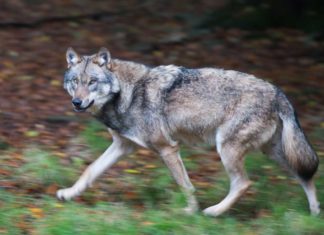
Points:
x=44, y=145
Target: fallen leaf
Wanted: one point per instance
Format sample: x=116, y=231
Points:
x=31, y=133
x=131, y=195
x=144, y=152
x=37, y=212
x=56, y=83
x=281, y=177
x=132, y=171
x=4, y=172
x=147, y=223
x=51, y=189
x=8, y=64
x=58, y=205
x=203, y=184
x=25, y=77
x=150, y=166
x=319, y=153
x=267, y=167
x=60, y=154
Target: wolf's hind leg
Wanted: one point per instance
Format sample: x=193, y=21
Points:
x=274, y=151
x=310, y=191
x=172, y=159
x=233, y=161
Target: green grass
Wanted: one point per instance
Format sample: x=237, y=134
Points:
x=44, y=169
x=275, y=204
x=11, y=210
x=106, y=218
x=96, y=135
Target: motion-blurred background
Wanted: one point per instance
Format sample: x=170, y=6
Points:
x=44, y=145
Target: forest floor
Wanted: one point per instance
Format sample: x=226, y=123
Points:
x=44, y=145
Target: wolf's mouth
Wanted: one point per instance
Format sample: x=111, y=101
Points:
x=80, y=109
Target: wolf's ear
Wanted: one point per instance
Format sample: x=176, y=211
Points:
x=72, y=57
x=103, y=57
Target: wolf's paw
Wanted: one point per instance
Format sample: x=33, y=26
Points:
x=213, y=211
x=66, y=194
x=315, y=210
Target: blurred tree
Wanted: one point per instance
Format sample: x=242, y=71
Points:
x=307, y=15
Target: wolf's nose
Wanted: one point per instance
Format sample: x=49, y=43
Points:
x=77, y=102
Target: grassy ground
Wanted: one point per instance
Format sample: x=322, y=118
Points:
x=138, y=196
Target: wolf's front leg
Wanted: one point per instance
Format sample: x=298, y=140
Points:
x=172, y=159
x=117, y=149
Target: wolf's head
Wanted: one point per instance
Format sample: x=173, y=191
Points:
x=89, y=79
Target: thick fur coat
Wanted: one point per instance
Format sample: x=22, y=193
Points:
x=160, y=107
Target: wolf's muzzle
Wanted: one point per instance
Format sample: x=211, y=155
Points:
x=77, y=102
x=79, y=108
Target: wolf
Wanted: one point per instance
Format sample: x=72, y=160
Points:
x=161, y=107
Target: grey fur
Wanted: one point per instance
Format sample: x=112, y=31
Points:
x=161, y=107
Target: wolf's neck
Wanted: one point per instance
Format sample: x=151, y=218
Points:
x=128, y=72
x=129, y=75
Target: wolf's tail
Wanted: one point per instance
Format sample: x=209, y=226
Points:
x=300, y=156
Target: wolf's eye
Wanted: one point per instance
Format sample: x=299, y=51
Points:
x=75, y=80
x=92, y=81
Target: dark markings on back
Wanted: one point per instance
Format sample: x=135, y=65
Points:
x=185, y=77
x=140, y=94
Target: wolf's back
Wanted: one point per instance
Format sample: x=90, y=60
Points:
x=300, y=156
